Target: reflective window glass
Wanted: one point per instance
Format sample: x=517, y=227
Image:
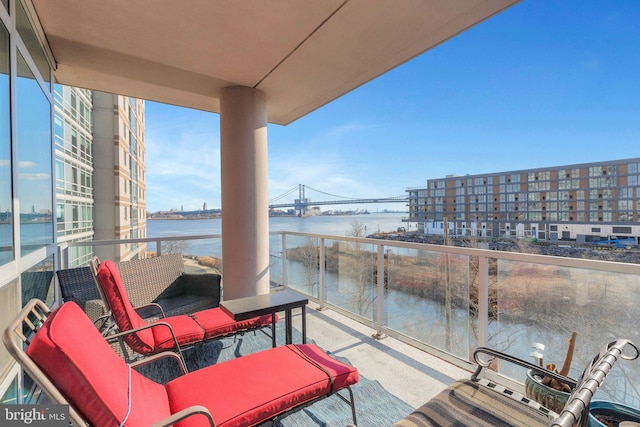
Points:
x=30, y=40
x=33, y=137
x=6, y=229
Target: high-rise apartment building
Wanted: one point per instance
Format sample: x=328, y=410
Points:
x=576, y=202
x=112, y=126
x=119, y=174
x=72, y=126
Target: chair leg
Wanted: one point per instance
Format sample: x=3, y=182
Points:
x=351, y=402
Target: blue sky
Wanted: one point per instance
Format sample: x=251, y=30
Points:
x=545, y=83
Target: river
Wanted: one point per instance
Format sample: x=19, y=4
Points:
x=336, y=225
x=339, y=225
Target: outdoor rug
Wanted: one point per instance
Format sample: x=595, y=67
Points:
x=375, y=406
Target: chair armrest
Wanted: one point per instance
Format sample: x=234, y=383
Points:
x=186, y=413
x=149, y=310
x=158, y=356
x=512, y=359
x=113, y=337
x=106, y=325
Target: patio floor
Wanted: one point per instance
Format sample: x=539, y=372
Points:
x=405, y=371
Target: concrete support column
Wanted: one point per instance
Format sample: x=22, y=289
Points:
x=245, y=199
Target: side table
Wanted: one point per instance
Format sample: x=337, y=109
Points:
x=259, y=305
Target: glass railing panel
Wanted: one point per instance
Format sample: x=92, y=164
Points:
x=303, y=272
x=190, y=248
x=200, y=255
x=545, y=303
x=275, y=260
x=428, y=298
x=350, y=276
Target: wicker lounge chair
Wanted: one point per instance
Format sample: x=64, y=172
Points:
x=161, y=280
x=79, y=285
x=479, y=402
x=168, y=332
x=68, y=358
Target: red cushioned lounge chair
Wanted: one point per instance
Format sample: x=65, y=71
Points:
x=73, y=364
x=167, y=333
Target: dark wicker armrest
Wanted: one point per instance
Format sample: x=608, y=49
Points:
x=206, y=285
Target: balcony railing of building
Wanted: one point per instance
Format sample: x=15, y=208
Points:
x=448, y=300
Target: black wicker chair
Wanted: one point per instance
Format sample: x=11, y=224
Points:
x=78, y=285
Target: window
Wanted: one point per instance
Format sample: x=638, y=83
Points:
x=6, y=232
x=621, y=230
x=33, y=116
x=30, y=40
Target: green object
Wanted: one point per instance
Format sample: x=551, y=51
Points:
x=611, y=412
x=546, y=396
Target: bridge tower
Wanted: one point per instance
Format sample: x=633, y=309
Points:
x=301, y=203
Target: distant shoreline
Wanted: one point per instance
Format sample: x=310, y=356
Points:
x=191, y=217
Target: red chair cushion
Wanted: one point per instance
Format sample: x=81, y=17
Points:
x=123, y=313
x=71, y=352
x=217, y=323
x=187, y=331
x=254, y=388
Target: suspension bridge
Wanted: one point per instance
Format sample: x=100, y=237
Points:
x=302, y=202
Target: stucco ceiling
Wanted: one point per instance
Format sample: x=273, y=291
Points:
x=301, y=53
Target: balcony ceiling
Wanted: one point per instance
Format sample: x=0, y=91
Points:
x=302, y=54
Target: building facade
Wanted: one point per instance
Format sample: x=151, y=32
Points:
x=119, y=126
x=582, y=202
x=119, y=172
x=73, y=138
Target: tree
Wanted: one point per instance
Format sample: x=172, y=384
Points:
x=174, y=246
x=308, y=255
x=359, y=267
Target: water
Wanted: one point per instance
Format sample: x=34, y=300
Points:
x=331, y=225
x=335, y=225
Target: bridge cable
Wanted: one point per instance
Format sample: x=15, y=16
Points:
x=294, y=189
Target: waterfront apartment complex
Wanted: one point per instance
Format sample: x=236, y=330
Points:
x=582, y=202
x=72, y=125
x=99, y=171
x=119, y=172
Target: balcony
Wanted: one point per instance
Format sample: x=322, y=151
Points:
x=409, y=315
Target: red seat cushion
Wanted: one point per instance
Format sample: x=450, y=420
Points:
x=217, y=323
x=254, y=388
x=123, y=313
x=186, y=329
x=71, y=352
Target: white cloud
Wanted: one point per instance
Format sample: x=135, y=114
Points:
x=35, y=176
x=27, y=164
